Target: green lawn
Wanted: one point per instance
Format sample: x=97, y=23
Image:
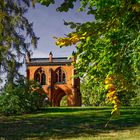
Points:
x=71, y=124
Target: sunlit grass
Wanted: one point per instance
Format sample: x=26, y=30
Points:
x=72, y=123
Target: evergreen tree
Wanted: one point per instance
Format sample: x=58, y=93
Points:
x=15, y=29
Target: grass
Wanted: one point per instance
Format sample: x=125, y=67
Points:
x=72, y=124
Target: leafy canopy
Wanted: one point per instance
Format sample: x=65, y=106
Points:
x=109, y=47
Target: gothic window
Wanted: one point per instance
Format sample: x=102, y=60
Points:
x=60, y=76
x=40, y=76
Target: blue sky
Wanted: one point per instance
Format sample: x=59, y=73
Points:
x=47, y=22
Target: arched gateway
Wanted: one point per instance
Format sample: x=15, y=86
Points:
x=55, y=76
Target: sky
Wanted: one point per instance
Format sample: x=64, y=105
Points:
x=47, y=22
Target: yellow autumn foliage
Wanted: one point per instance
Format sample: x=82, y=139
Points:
x=112, y=95
x=70, y=40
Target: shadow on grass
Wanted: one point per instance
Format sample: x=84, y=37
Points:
x=72, y=109
x=64, y=123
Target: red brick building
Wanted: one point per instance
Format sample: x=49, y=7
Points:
x=56, y=77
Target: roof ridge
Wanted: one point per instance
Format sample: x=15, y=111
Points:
x=53, y=58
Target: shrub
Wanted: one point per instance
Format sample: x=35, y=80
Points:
x=21, y=98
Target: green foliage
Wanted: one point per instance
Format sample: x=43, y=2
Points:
x=10, y=104
x=21, y=98
x=112, y=46
x=92, y=95
x=15, y=29
x=136, y=100
x=64, y=7
x=63, y=102
x=109, y=44
x=46, y=2
x=126, y=97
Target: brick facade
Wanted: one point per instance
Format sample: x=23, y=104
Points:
x=55, y=76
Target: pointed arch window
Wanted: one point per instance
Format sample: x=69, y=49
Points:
x=60, y=76
x=40, y=76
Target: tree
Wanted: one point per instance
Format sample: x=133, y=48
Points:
x=14, y=31
x=24, y=97
x=108, y=49
x=92, y=95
